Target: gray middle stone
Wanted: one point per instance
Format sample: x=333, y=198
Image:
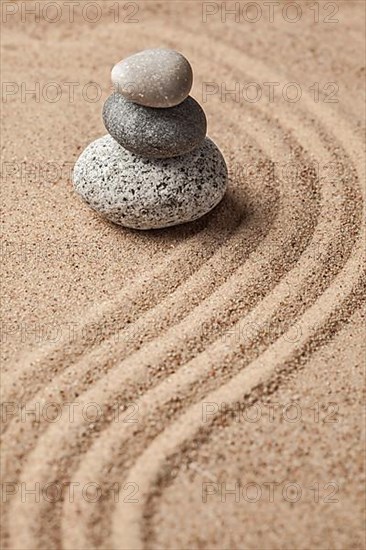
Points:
x=152, y=132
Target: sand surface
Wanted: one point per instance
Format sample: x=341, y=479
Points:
x=147, y=375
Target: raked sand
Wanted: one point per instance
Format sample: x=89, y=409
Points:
x=168, y=368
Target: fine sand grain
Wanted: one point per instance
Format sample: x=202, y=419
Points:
x=165, y=369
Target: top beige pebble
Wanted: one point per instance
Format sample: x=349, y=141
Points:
x=154, y=78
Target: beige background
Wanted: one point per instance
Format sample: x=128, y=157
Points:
x=258, y=304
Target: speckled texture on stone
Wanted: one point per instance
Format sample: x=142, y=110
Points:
x=155, y=78
x=150, y=193
x=155, y=133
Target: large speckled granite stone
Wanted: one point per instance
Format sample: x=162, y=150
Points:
x=155, y=133
x=150, y=193
x=155, y=78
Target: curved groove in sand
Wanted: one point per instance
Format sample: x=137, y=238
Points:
x=30, y=374
x=108, y=449
x=333, y=305
x=151, y=405
x=140, y=359
x=347, y=283
x=282, y=285
x=130, y=521
x=254, y=275
x=196, y=371
x=260, y=370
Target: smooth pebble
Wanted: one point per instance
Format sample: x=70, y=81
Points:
x=154, y=78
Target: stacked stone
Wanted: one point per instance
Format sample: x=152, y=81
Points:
x=156, y=167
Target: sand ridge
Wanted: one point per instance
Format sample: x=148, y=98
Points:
x=224, y=311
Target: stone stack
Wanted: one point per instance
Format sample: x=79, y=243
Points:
x=156, y=167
